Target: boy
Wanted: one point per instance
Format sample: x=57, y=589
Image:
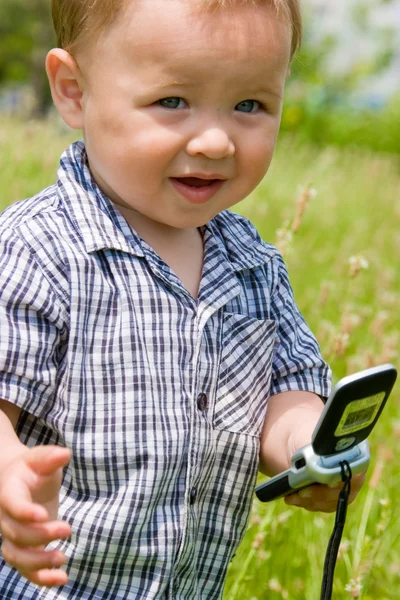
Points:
x=144, y=327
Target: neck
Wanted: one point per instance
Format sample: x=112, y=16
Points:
x=180, y=249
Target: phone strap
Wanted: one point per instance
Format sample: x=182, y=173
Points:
x=334, y=542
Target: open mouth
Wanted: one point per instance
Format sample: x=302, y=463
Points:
x=196, y=182
x=196, y=189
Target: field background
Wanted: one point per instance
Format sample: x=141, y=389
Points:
x=343, y=259
x=331, y=202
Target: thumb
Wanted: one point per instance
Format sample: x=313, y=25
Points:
x=46, y=460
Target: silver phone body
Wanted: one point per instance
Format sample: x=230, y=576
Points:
x=308, y=466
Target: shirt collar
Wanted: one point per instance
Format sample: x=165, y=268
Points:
x=99, y=223
x=102, y=226
x=239, y=241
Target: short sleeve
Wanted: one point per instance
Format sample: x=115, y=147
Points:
x=297, y=364
x=32, y=329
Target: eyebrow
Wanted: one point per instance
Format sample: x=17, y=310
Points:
x=168, y=83
x=171, y=82
x=266, y=90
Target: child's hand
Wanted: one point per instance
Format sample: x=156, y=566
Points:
x=323, y=498
x=29, y=489
x=317, y=497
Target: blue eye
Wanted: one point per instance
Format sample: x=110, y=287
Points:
x=172, y=103
x=248, y=106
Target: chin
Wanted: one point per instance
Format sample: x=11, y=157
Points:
x=190, y=221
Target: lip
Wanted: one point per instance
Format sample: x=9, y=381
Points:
x=201, y=176
x=198, y=195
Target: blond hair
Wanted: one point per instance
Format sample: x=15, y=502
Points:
x=78, y=22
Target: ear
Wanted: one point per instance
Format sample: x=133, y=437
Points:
x=66, y=86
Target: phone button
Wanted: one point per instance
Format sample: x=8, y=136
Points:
x=300, y=463
x=344, y=443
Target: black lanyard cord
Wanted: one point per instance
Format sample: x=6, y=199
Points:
x=334, y=542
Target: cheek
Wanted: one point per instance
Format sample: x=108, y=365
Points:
x=147, y=146
x=152, y=142
x=128, y=153
x=103, y=117
x=257, y=157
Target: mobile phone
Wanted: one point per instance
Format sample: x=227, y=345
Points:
x=348, y=418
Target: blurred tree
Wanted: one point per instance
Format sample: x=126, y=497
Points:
x=26, y=34
x=328, y=99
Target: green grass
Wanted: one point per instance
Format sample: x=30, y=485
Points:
x=356, y=213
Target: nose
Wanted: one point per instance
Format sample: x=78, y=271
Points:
x=213, y=143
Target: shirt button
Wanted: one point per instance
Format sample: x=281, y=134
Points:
x=202, y=402
x=193, y=495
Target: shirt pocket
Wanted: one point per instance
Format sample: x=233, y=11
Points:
x=244, y=374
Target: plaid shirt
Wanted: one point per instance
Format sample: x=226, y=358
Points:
x=160, y=397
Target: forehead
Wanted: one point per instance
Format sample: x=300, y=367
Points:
x=183, y=32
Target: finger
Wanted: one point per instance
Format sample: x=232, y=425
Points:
x=315, y=498
x=46, y=460
x=324, y=498
x=16, y=502
x=31, y=535
x=15, y=495
x=293, y=500
x=335, y=486
x=310, y=504
x=46, y=577
x=31, y=559
x=296, y=500
x=358, y=481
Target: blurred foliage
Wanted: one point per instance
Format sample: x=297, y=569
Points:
x=26, y=35
x=319, y=104
x=316, y=120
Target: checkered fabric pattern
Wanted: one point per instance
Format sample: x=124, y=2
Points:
x=160, y=397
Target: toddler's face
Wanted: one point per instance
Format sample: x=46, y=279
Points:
x=182, y=107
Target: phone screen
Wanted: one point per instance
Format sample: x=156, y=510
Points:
x=359, y=414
